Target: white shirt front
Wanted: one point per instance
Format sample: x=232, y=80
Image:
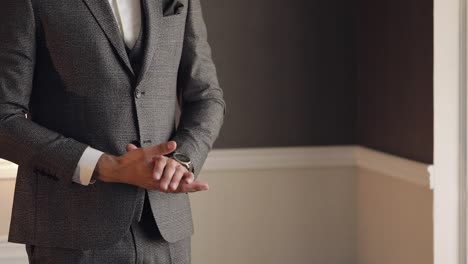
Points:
x=127, y=14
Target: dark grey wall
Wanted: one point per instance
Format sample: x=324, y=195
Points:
x=311, y=72
x=287, y=69
x=395, y=77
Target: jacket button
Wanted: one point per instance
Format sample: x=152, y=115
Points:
x=137, y=93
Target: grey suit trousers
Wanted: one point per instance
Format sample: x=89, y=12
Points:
x=142, y=244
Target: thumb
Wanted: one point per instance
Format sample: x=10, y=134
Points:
x=164, y=148
x=130, y=147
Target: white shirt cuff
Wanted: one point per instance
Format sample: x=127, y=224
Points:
x=85, y=169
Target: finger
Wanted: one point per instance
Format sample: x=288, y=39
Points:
x=188, y=177
x=167, y=175
x=176, y=179
x=164, y=148
x=158, y=169
x=154, y=185
x=195, y=186
x=130, y=147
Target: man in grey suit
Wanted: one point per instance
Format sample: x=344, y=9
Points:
x=109, y=107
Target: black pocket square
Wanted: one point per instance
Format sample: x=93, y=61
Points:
x=173, y=7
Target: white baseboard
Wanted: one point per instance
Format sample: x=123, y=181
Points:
x=302, y=157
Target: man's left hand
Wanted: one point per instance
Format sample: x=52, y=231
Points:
x=172, y=176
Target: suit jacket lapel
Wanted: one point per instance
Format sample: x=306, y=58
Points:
x=102, y=12
x=153, y=11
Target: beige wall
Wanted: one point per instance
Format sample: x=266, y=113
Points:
x=279, y=216
x=330, y=216
x=7, y=188
x=394, y=221
x=298, y=216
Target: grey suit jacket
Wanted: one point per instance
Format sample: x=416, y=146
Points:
x=66, y=83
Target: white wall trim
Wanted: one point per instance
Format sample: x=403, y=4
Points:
x=280, y=158
x=404, y=169
x=301, y=157
x=450, y=131
x=319, y=157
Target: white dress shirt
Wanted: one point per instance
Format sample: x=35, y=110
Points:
x=127, y=14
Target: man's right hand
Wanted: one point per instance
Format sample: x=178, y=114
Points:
x=136, y=167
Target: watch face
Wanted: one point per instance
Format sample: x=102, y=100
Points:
x=181, y=157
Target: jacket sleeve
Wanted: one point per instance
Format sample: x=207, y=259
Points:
x=21, y=140
x=202, y=104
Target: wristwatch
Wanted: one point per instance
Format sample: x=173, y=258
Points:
x=183, y=160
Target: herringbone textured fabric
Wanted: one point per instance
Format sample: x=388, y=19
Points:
x=66, y=83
